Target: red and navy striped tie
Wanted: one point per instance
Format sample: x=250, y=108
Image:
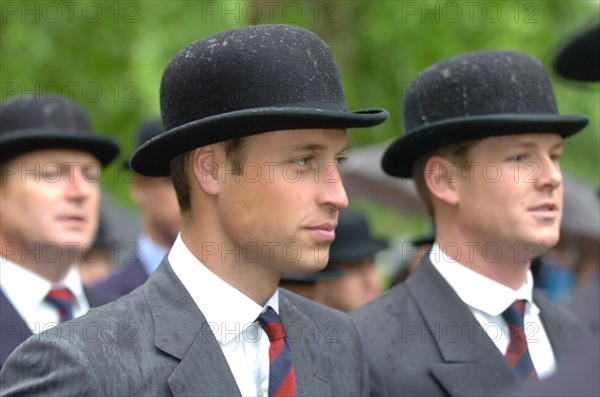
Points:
x=62, y=299
x=518, y=352
x=281, y=369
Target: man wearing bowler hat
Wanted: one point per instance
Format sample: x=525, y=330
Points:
x=50, y=161
x=578, y=60
x=352, y=255
x=483, y=142
x=160, y=222
x=255, y=132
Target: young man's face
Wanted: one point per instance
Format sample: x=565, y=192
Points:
x=282, y=210
x=50, y=197
x=515, y=196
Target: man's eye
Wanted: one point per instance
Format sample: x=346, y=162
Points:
x=341, y=161
x=304, y=162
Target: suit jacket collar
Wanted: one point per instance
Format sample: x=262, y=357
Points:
x=186, y=338
x=563, y=330
x=190, y=340
x=14, y=329
x=463, y=344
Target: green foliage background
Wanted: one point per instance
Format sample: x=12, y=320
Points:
x=109, y=56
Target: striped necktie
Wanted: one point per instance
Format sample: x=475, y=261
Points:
x=62, y=299
x=517, y=353
x=281, y=368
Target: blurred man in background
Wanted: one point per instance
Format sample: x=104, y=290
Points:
x=160, y=222
x=354, y=277
x=50, y=165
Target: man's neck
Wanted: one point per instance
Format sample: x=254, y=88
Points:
x=251, y=278
x=492, y=260
x=50, y=270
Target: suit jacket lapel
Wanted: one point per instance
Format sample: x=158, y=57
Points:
x=14, y=329
x=563, y=331
x=182, y=331
x=472, y=365
x=312, y=367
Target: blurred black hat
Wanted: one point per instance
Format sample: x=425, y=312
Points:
x=147, y=130
x=247, y=81
x=34, y=122
x=579, y=58
x=472, y=96
x=353, y=241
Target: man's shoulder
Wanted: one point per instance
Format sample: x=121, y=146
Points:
x=397, y=300
x=110, y=322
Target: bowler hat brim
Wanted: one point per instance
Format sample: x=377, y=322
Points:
x=399, y=158
x=153, y=158
x=18, y=142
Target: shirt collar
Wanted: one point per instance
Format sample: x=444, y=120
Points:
x=227, y=310
x=150, y=253
x=13, y=277
x=489, y=296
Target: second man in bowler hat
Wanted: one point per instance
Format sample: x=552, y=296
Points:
x=255, y=122
x=483, y=142
x=50, y=161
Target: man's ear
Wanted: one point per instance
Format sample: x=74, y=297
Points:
x=206, y=169
x=441, y=177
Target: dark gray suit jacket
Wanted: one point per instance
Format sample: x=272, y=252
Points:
x=155, y=342
x=14, y=330
x=422, y=340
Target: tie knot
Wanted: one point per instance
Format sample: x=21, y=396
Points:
x=61, y=298
x=515, y=312
x=60, y=294
x=271, y=323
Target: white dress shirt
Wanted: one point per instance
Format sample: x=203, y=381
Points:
x=27, y=290
x=487, y=299
x=150, y=253
x=232, y=317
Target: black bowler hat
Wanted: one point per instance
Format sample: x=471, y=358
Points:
x=579, y=59
x=34, y=122
x=147, y=130
x=243, y=82
x=472, y=96
x=353, y=241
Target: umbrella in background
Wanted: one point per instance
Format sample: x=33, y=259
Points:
x=363, y=177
